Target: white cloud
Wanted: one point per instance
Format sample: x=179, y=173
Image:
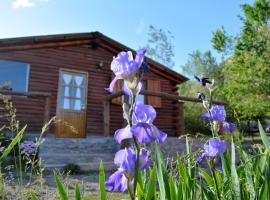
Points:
x=140, y=26
x=23, y=4
x=27, y=3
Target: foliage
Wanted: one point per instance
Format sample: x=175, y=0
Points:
x=193, y=122
x=247, y=69
x=205, y=65
x=103, y=195
x=160, y=47
x=72, y=168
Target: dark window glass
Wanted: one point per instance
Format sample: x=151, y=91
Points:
x=14, y=75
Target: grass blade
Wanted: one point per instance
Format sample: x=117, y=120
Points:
x=234, y=175
x=61, y=190
x=33, y=196
x=160, y=179
x=172, y=184
x=77, y=192
x=152, y=184
x=12, y=144
x=264, y=137
x=103, y=194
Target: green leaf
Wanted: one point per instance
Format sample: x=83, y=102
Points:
x=140, y=195
x=12, y=144
x=34, y=196
x=172, y=184
x=61, y=190
x=77, y=191
x=234, y=175
x=152, y=184
x=264, y=191
x=159, y=161
x=207, y=178
x=264, y=137
x=103, y=194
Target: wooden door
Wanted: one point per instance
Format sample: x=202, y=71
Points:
x=71, y=104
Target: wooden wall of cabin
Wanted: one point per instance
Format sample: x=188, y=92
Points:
x=44, y=74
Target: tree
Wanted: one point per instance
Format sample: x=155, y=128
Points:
x=247, y=69
x=160, y=46
x=204, y=64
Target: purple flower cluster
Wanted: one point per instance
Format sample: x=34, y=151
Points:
x=125, y=67
x=142, y=126
x=213, y=149
x=28, y=147
x=140, y=118
x=125, y=159
x=217, y=113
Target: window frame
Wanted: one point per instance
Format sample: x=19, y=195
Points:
x=27, y=78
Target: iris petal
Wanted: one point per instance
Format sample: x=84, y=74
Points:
x=142, y=132
x=117, y=181
x=122, y=134
x=112, y=84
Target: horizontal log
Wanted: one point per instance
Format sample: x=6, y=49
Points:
x=26, y=94
x=162, y=95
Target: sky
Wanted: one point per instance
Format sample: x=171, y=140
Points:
x=191, y=22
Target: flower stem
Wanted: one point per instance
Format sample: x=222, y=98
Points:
x=137, y=164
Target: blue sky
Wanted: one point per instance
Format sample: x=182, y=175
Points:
x=190, y=21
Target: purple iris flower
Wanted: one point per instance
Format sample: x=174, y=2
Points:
x=218, y=113
x=143, y=128
x=125, y=67
x=117, y=181
x=125, y=159
x=230, y=127
x=213, y=149
x=28, y=147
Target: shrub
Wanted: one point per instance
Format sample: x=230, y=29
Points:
x=72, y=169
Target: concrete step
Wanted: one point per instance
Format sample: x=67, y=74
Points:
x=85, y=167
x=73, y=158
x=85, y=152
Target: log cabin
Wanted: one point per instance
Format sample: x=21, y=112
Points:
x=65, y=75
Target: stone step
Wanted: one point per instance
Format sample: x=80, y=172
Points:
x=71, y=145
x=82, y=149
x=85, y=152
x=86, y=167
x=74, y=158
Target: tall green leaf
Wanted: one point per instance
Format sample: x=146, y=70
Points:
x=159, y=161
x=234, y=175
x=77, y=191
x=172, y=184
x=12, y=144
x=264, y=137
x=152, y=184
x=61, y=189
x=33, y=196
x=103, y=194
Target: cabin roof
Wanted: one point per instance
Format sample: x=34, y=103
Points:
x=94, y=39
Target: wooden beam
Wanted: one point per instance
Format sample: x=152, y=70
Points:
x=106, y=117
x=163, y=95
x=47, y=110
x=26, y=94
x=181, y=122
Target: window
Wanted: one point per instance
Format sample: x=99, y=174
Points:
x=73, y=91
x=14, y=76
